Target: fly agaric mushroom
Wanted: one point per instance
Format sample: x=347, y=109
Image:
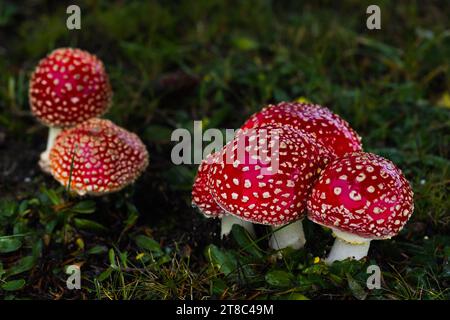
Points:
x=68, y=87
x=264, y=176
x=361, y=197
x=327, y=127
x=97, y=157
x=204, y=202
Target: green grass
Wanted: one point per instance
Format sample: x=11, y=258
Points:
x=219, y=62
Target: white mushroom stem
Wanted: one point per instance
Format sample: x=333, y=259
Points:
x=228, y=220
x=347, y=246
x=290, y=235
x=44, y=161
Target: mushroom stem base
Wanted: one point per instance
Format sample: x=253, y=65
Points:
x=343, y=249
x=229, y=220
x=44, y=161
x=290, y=235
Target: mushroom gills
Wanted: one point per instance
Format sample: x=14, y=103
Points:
x=290, y=235
x=44, y=161
x=227, y=222
x=347, y=245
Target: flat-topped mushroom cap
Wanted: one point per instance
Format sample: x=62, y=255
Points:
x=265, y=175
x=362, y=194
x=201, y=194
x=327, y=127
x=68, y=87
x=98, y=157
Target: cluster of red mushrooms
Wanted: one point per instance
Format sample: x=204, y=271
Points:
x=286, y=162
x=69, y=90
x=321, y=172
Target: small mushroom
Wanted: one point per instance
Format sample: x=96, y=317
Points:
x=67, y=87
x=264, y=176
x=204, y=202
x=97, y=157
x=361, y=197
x=334, y=133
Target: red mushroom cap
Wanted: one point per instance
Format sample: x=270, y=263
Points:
x=68, y=87
x=201, y=195
x=264, y=175
x=327, y=127
x=98, y=157
x=362, y=194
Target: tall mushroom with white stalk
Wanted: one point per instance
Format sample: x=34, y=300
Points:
x=204, y=202
x=67, y=87
x=97, y=157
x=329, y=129
x=361, y=197
x=264, y=176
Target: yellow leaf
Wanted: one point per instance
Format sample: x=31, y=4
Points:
x=80, y=243
x=139, y=256
x=302, y=100
x=444, y=101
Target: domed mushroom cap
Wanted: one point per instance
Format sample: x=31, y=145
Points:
x=327, y=127
x=201, y=194
x=362, y=194
x=264, y=175
x=68, y=87
x=98, y=157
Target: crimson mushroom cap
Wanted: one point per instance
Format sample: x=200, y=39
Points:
x=327, y=127
x=201, y=195
x=68, y=87
x=245, y=182
x=97, y=157
x=362, y=194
